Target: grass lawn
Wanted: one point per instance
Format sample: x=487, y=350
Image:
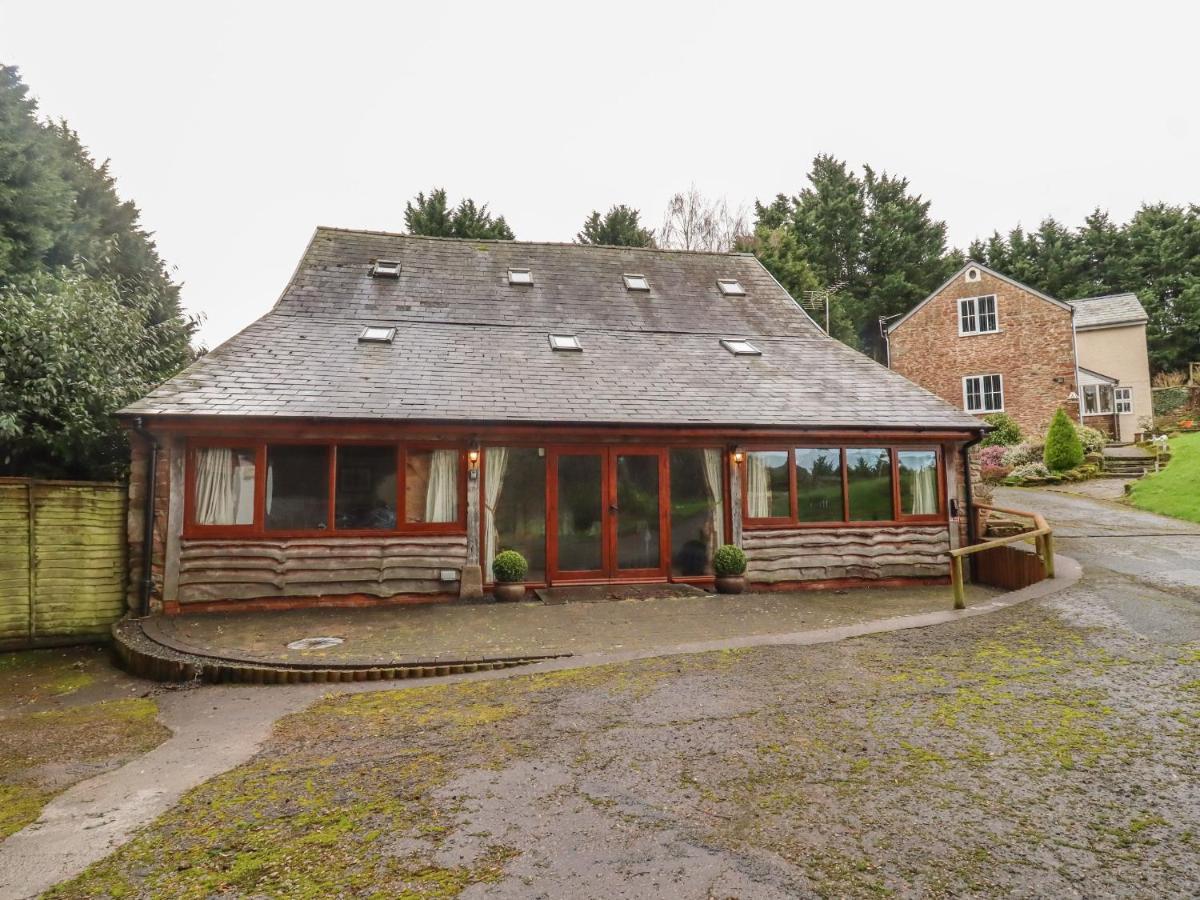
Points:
x=1175, y=491
x=1012, y=754
x=65, y=715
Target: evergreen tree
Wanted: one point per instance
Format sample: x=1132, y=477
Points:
x=431, y=216
x=619, y=227
x=1063, y=448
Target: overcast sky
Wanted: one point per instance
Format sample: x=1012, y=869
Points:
x=239, y=127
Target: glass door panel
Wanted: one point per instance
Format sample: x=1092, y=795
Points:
x=638, y=508
x=580, y=516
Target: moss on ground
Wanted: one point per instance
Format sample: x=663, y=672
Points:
x=98, y=734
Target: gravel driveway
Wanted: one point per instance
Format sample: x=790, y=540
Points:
x=1046, y=750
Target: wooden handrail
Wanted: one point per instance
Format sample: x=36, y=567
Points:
x=1042, y=534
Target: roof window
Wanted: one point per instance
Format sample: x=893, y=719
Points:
x=385, y=268
x=739, y=347
x=636, y=282
x=564, y=342
x=731, y=287
x=377, y=334
x=520, y=276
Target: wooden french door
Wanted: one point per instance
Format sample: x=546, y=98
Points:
x=607, y=518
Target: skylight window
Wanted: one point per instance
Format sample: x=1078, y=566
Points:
x=731, y=287
x=520, y=276
x=564, y=342
x=377, y=334
x=636, y=282
x=739, y=347
x=385, y=268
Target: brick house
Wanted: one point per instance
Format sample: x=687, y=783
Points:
x=411, y=406
x=988, y=343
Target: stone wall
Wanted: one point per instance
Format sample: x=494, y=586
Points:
x=1034, y=350
x=314, y=567
x=780, y=556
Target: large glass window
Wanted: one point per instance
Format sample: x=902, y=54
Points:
x=224, y=486
x=983, y=393
x=1097, y=399
x=697, y=510
x=768, y=491
x=580, y=512
x=869, y=479
x=918, y=482
x=366, y=487
x=819, y=485
x=638, y=521
x=297, y=488
x=514, y=507
x=431, y=486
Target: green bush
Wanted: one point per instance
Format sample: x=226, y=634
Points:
x=1005, y=431
x=1022, y=454
x=729, y=560
x=1064, y=450
x=1093, y=439
x=509, y=567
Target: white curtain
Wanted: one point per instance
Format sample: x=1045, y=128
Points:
x=758, y=487
x=441, y=500
x=496, y=464
x=714, y=482
x=924, y=491
x=224, y=487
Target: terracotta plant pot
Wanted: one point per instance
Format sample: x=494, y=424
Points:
x=509, y=592
x=731, y=584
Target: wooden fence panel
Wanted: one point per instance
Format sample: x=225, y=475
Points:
x=74, y=542
x=14, y=562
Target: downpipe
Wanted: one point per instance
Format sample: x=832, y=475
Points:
x=147, y=587
x=969, y=494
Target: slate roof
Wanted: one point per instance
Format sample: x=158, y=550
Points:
x=1108, y=311
x=471, y=347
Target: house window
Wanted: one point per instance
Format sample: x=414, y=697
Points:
x=377, y=334
x=1098, y=399
x=636, y=282
x=918, y=483
x=514, y=507
x=768, y=490
x=697, y=509
x=223, y=491
x=1123, y=397
x=977, y=315
x=869, y=485
x=520, y=276
x=431, y=486
x=983, y=393
x=819, y=485
x=297, y=488
x=731, y=287
x=564, y=342
x=739, y=347
x=366, y=488
x=841, y=486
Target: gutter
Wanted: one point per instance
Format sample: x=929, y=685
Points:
x=147, y=587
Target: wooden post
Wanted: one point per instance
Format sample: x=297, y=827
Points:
x=172, y=542
x=470, y=584
x=1048, y=554
x=32, y=506
x=735, y=500
x=956, y=577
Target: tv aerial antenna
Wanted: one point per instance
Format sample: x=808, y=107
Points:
x=812, y=301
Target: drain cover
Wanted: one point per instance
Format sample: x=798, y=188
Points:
x=314, y=643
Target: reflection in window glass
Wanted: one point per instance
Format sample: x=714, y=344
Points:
x=297, y=488
x=514, y=510
x=580, y=513
x=224, y=491
x=431, y=486
x=365, y=495
x=767, y=487
x=697, y=509
x=819, y=485
x=918, y=482
x=869, y=478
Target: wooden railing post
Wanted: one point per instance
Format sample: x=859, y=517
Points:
x=956, y=576
x=1048, y=553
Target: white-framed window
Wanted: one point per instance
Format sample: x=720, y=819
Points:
x=977, y=315
x=1124, y=399
x=983, y=393
x=1098, y=399
x=565, y=342
x=731, y=287
x=636, y=282
x=740, y=347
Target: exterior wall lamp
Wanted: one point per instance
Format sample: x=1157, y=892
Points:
x=473, y=460
x=738, y=456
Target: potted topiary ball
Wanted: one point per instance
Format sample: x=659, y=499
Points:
x=509, y=568
x=729, y=562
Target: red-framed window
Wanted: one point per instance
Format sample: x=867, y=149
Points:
x=238, y=487
x=823, y=486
